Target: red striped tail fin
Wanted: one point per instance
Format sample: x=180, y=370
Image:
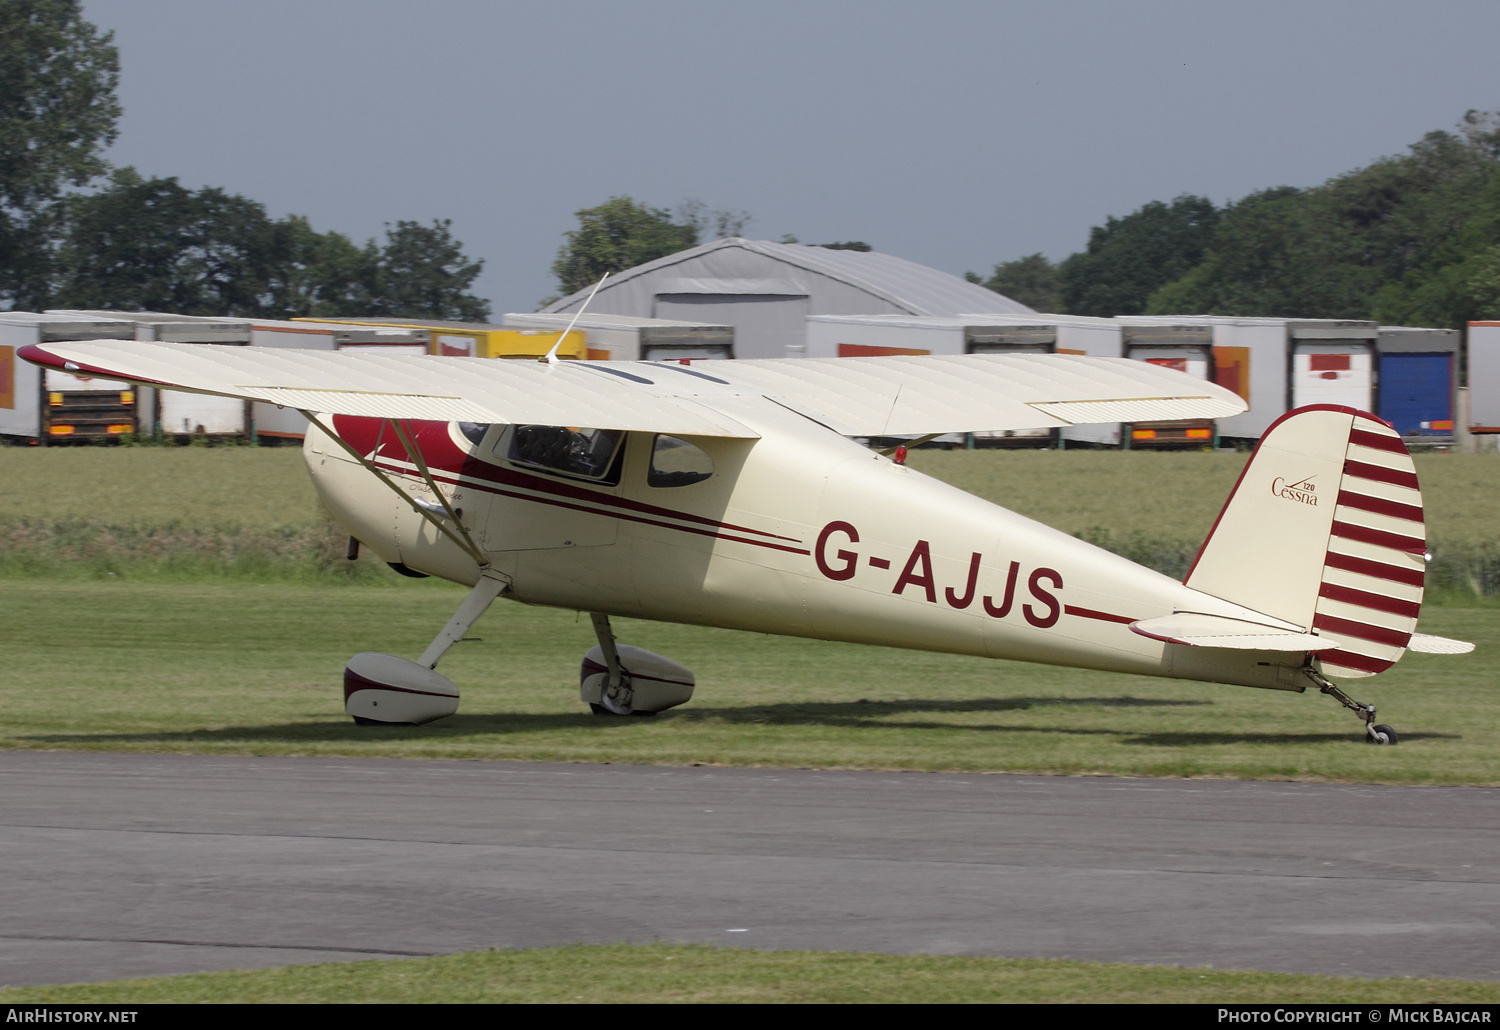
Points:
x=1325, y=530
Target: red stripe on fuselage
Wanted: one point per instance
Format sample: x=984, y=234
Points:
x=453, y=481
x=1089, y=613
x=439, y=451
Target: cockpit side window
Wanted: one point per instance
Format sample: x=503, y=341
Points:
x=675, y=462
x=474, y=431
x=568, y=451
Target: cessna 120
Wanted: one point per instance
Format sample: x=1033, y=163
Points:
x=731, y=494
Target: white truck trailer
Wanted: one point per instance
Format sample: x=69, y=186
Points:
x=1277, y=364
x=628, y=338
x=1483, y=353
x=174, y=412
x=51, y=406
x=833, y=336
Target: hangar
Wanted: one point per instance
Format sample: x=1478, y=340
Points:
x=766, y=291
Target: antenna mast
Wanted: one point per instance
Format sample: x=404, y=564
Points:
x=551, y=358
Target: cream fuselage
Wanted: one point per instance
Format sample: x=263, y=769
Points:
x=800, y=532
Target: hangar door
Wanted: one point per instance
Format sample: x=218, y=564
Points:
x=765, y=325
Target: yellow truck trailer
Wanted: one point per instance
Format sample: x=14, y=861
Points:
x=479, y=339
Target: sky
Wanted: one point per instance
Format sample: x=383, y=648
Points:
x=953, y=133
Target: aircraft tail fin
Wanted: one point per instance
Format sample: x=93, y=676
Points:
x=1324, y=529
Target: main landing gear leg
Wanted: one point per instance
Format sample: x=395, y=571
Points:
x=382, y=689
x=615, y=694
x=1374, y=734
x=617, y=679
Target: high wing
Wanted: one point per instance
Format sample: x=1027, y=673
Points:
x=406, y=386
x=913, y=395
x=885, y=396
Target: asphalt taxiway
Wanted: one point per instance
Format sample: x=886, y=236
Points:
x=118, y=865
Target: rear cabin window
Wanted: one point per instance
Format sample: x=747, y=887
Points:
x=568, y=451
x=675, y=462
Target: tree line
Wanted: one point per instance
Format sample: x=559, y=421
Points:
x=1412, y=239
x=76, y=233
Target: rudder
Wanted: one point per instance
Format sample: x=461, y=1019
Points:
x=1324, y=529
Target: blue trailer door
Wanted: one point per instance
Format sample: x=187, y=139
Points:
x=1416, y=388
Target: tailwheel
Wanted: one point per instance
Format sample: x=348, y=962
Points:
x=1374, y=733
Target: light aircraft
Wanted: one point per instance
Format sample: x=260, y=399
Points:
x=734, y=494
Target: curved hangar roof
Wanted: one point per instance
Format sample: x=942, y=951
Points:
x=836, y=282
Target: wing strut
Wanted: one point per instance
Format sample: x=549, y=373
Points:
x=465, y=541
x=412, y=449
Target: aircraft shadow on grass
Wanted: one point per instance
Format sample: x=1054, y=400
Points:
x=1190, y=739
x=860, y=714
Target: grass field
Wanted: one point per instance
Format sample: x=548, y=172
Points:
x=591, y=974
x=222, y=643
x=196, y=600
x=255, y=669
x=248, y=513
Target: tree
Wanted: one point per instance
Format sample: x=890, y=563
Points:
x=421, y=272
x=153, y=244
x=863, y=248
x=1032, y=280
x=1129, y=258
x=1377, y=237
x=1459, y=280
x=319, y=275
x=614, y=236
x=57, y=100
x=58, y=111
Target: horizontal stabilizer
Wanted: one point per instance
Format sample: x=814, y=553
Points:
x=1426, y=643
x=1221, y=631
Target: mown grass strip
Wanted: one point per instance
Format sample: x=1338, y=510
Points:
x=224, y=668
x=657, y=973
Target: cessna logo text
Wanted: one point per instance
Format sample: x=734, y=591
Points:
x=1040, y=610
x=1303, y=491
